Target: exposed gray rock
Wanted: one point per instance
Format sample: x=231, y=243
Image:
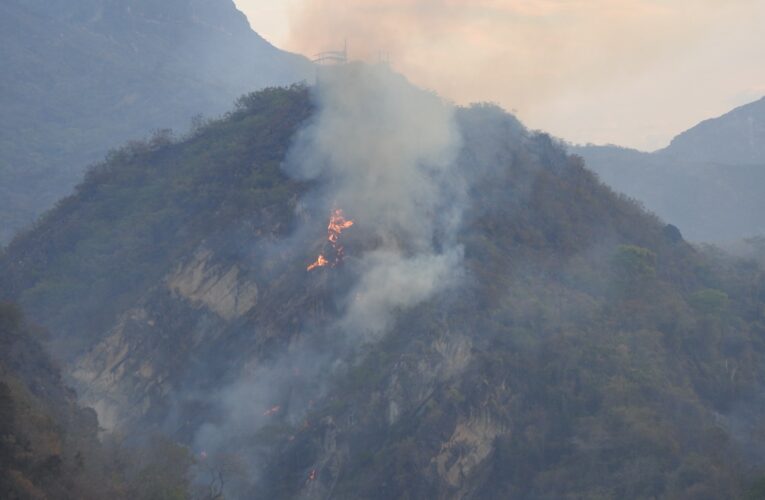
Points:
x=127, y=374
x=223, y=290
x=469, y=445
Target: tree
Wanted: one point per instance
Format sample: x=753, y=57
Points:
x=634, y=267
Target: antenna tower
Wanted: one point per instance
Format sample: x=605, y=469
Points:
x=332, y=57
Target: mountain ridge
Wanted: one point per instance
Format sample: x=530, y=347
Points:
x=83, y=78
x=587, y=350
x=734, y=138
x=707, y=181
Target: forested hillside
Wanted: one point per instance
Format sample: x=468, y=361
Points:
x=50, y=446
x=83, y=76
x=44, y=434
x=512, y=329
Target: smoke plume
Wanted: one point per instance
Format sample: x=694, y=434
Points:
x=586, y=70
x=384, y=151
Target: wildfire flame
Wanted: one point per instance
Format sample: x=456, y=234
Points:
x=337, y=224
x=320, y=262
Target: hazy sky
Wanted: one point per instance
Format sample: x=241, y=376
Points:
x=628, y=72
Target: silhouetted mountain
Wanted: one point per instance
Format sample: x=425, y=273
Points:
x=567, y=345
x=83, y=76
x=735, y=138
x=708, y=181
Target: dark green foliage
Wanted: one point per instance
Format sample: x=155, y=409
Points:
x=607, y=354
x=756, y=491
x=708, y=301
x=149, y=204
x=41, y=428
x=49, y=447
x=163, y=471
x=633, y=263
x=634, y=270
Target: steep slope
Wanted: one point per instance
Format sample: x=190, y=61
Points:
x=82, y=77
x=49, y=444
x=708, y=181
x=550, y=340
x=149, y=205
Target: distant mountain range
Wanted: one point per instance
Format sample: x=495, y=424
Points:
x=735, y=138
x=710, y=181
x=83, y=76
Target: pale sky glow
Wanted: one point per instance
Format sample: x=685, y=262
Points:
x=270, y=18
x=628, y=72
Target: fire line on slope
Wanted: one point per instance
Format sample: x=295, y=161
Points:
x=337, y=224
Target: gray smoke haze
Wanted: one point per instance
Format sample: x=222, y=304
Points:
x=386, y=146
x=628, y=72
x=392, y=282
x=277, y=394
x=384, y=152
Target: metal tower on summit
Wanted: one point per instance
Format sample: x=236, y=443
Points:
x=332, y=57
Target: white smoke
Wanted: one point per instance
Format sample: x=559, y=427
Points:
x=386, y=152
x=392, y=282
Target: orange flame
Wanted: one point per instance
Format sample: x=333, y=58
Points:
x=337, y=224
x=320, y=262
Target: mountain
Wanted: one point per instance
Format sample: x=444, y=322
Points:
x=50, y=444
x=735, y=138
x=708, y=181
x=43, y=431
x=82, y=77
x=491, y=321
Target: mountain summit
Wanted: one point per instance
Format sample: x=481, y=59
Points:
x=495, y=323
x=735, y=138
x=83, y=76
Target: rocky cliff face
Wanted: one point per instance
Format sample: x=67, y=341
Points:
x=224, y=291
x=139, y=364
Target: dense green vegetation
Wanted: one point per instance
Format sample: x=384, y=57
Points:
x=148, y=204
x=49, y=446
x=615, y=359
x=602, y=355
